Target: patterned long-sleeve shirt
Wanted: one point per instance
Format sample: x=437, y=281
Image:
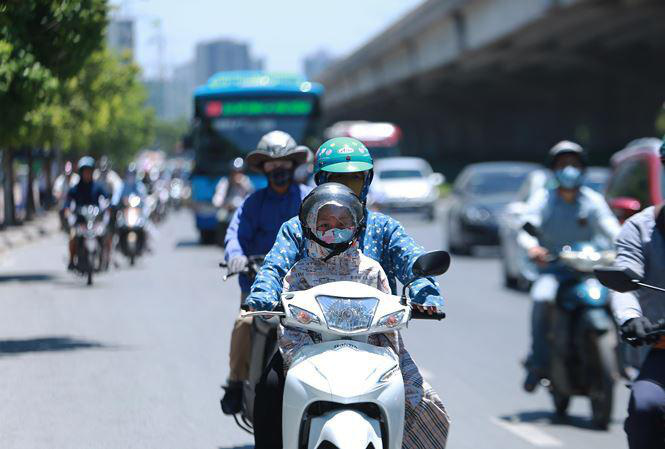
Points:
x=384, y=240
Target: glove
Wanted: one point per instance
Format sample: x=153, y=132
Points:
x=237, y=264
x=637, y=329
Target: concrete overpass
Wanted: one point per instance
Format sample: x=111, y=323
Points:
x=495, y=79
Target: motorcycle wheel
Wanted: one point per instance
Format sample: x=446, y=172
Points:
x=561, y=402
x=89, y=281
x=132, y=259
x=602, y=395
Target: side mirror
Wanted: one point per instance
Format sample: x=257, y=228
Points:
x=624, y=207
x=621, y=279
x=433, y=263
x=436, y=179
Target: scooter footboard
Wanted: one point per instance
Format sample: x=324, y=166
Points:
x=345, y=428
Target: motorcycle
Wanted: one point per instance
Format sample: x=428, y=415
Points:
x=583, y=338
x=344, y=392
x=264, y=344
x=91, y=224
x=130, y=226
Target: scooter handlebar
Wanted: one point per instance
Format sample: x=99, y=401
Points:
x=418, y=315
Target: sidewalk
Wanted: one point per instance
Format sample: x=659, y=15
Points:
x=15, y=236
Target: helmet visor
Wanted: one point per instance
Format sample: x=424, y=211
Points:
x=332, y=222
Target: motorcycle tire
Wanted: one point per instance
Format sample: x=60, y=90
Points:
x=89, y=281
x=602, y=395
x=132, y=260
x=561, y=402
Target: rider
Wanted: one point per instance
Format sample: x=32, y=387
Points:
x=641, y=247
x=231, y=191
x=252, y=231
x=568, y=213
x=64, y=181
x=86, y=192
x=347, y=161
x=332, y=218
x=108, y=177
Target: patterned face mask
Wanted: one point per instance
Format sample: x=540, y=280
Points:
x=335, y=235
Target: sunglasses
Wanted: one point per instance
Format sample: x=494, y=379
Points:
x=273, y=165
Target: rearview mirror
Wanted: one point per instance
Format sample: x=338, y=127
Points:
x=621, y=279
x=433, y=263
x=530, y=229
x=436, y=179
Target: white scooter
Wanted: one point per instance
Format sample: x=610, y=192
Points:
x=344, y=392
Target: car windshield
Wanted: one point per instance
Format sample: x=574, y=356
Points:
x=400, y=174
x=503, y=182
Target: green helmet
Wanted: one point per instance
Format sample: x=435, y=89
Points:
x=342, y=155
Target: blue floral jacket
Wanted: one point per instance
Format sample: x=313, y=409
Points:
x=385, y=241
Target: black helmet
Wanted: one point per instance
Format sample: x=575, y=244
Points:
x=566, y=147
x=276, y=145
x=341, y=202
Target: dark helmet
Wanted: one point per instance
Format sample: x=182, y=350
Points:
x=276, y=145
x=86, y=162
x=341, y=201
x=566, y=147
x=662, y=151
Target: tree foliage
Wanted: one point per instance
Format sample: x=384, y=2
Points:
x=42, y=42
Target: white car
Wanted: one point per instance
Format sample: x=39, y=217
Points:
x=405, y=184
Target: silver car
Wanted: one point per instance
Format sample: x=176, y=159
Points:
x=404, y=184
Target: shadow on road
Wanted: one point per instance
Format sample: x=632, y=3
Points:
x=45, y=344
x=27, y=277
x=549, y=417
x=238, y=447
x=189, y=244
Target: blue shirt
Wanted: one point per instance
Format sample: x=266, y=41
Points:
x=384, y=240
x=256, y=222
x=85, y=194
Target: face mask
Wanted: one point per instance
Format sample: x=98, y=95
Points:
x=569, y=177
x=335, y=235
x=280, y=176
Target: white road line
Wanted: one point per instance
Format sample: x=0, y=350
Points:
x=528, y=432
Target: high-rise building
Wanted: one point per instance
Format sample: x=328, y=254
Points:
x=120, y=35
x=180, y=92
x=315, y=63
x=223, y=55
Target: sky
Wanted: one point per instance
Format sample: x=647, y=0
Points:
x=281, y=32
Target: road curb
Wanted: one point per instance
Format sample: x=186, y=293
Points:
x=33, y=231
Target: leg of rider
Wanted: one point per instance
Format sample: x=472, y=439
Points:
x=239, y=354
x=645, y=425
x=72, y=250
x=538, y=359
x=268, y=406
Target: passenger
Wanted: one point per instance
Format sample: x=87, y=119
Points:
x=332, y=218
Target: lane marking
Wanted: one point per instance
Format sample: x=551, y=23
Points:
x=528, y=432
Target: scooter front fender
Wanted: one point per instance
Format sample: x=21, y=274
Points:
x=348, y=429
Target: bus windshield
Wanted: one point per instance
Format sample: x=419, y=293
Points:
x=232, y=127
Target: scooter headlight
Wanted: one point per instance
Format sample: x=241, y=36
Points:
x=392, y=319
x=385, y=377
x=348, y=314
x=303, y=316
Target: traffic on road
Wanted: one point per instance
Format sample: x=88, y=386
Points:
x=269, y=274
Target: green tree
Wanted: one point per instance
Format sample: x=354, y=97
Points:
x=168, y=134
x=42, y=43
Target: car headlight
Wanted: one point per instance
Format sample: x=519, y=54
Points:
x=303, y=316
x=392, y=319
x=348, y=314
x=477, y=214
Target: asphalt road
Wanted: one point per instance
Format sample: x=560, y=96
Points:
x=136, y=361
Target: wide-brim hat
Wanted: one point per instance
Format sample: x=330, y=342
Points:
x=299, y=155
